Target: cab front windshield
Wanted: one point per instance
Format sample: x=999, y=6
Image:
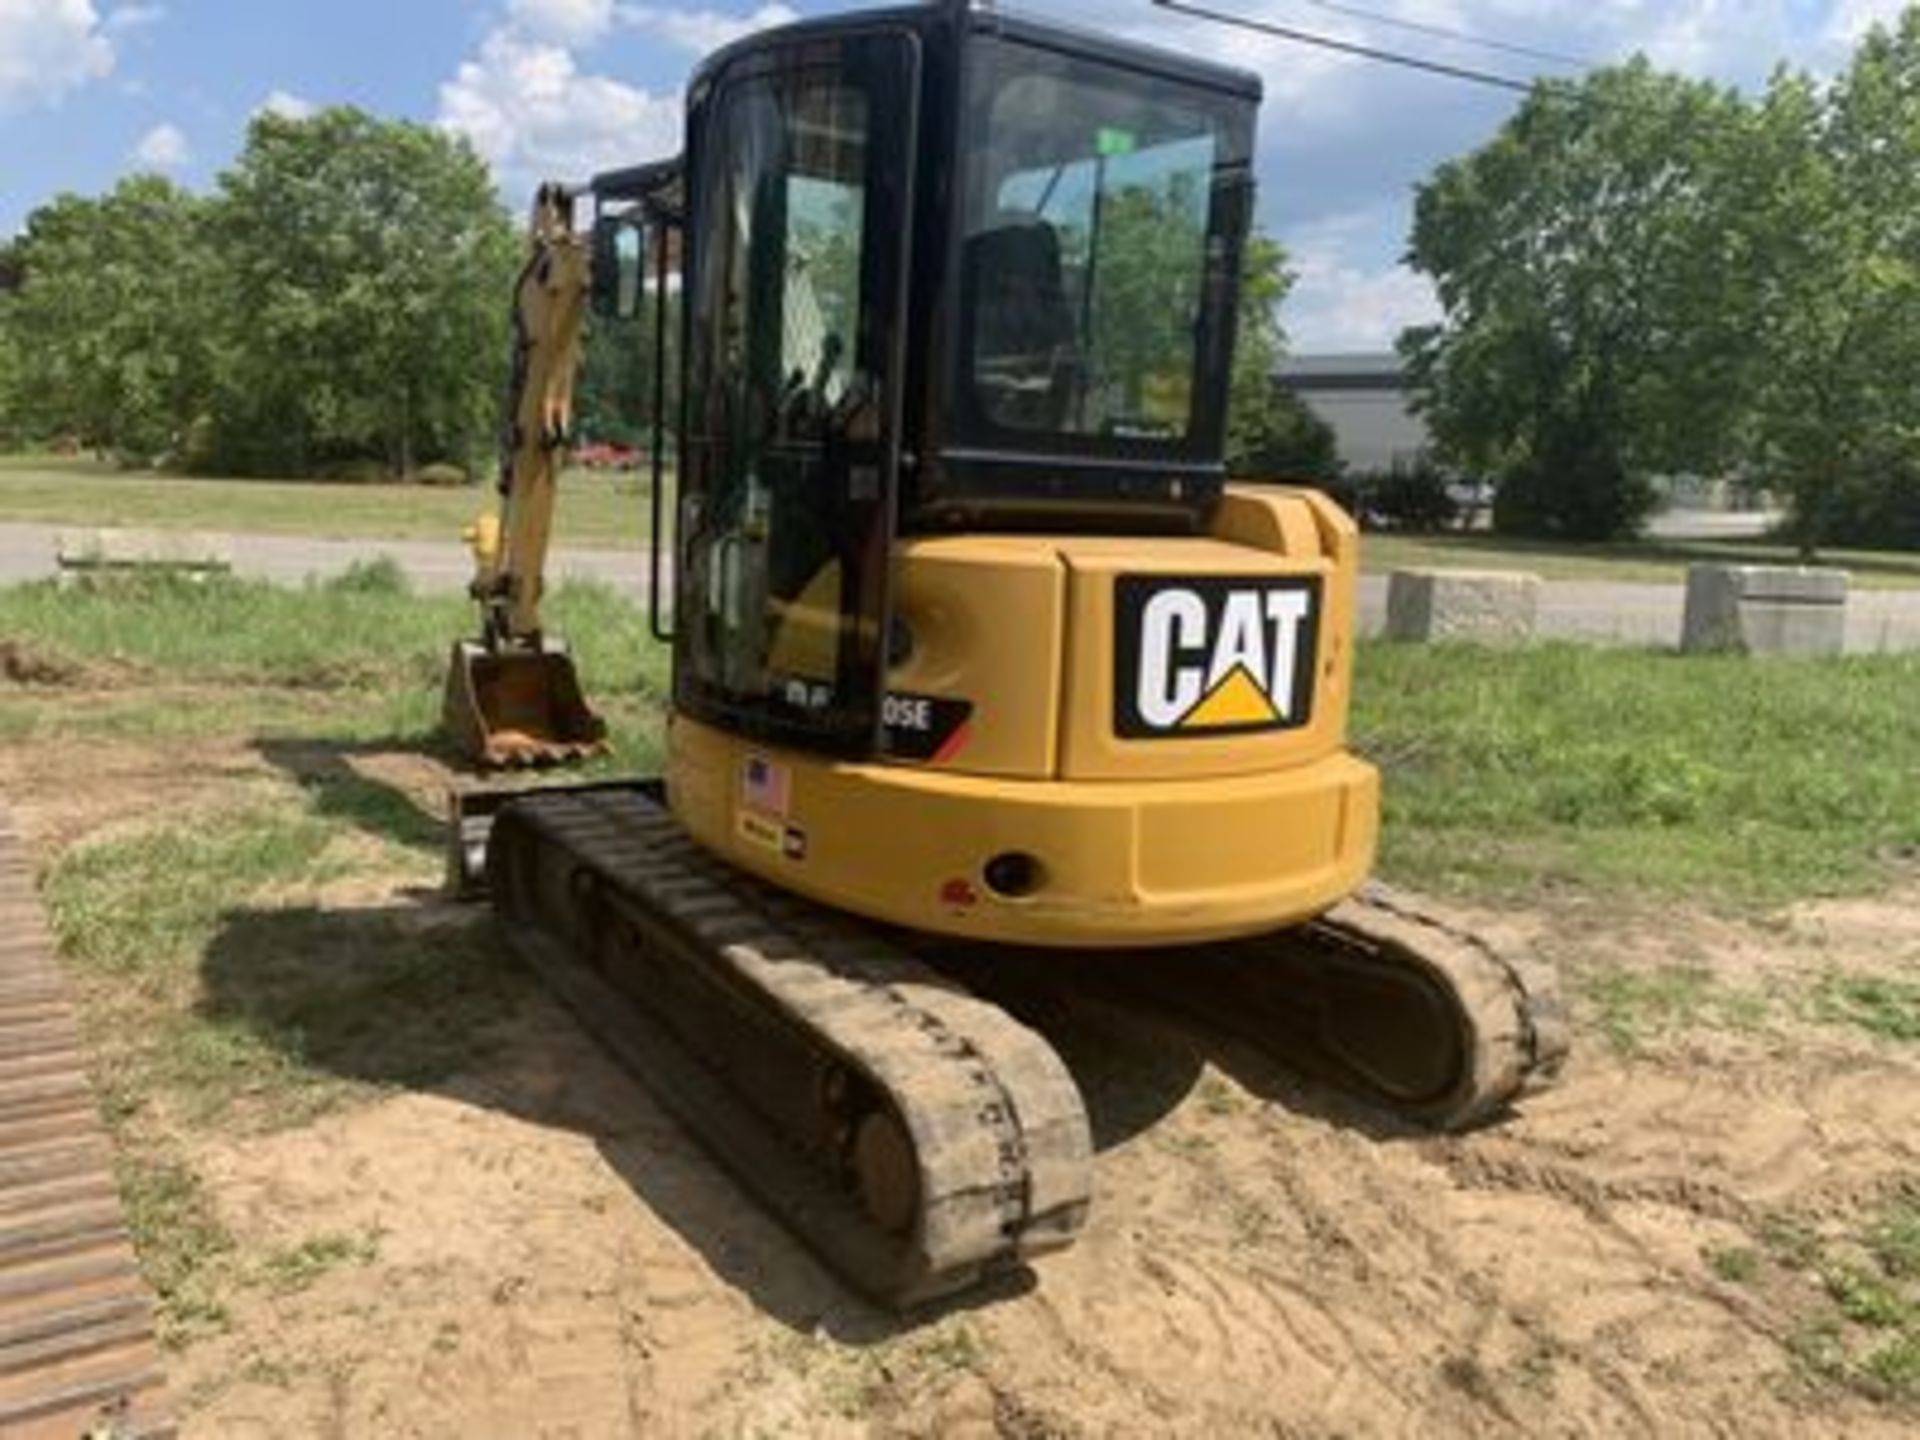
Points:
x=1093, y=206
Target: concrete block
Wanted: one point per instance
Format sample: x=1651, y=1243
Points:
x=88, y=554
x=1489, y=607
x=1765, y=610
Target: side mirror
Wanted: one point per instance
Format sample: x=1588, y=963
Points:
x=619, y=265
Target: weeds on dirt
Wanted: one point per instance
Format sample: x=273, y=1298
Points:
x=1218, y=1098
x=267, y=1014
x=182, y=1245
x=1735, y=1264
x=854, y=1383
x=1860, y=1326
x=1606, y=768
x=293, y=1268
x=1636, y=1007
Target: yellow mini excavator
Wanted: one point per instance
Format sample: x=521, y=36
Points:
x=977, y=659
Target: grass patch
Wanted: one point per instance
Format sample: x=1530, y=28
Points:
x=895, y=1374
x=1601, y=768
x=1636, y=1007
x=216, y=1001
x=301, y=1008
x=359, y=630
x=1895, y=1238
x=267, y=1014
x=141, y=906
x=1887, y=1008
x=594, y=508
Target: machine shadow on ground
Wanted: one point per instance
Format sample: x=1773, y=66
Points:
x=326, y=771
x=424, y=995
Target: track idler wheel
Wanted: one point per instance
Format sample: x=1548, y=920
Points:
x=886, y=1172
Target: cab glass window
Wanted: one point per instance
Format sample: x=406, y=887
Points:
x=1091, y=216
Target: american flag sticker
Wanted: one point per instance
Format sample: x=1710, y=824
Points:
x=764, y=786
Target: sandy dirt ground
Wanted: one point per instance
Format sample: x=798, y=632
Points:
x=557, y=1258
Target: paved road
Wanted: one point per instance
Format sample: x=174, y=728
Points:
x=1603, y=611
x=27, y=553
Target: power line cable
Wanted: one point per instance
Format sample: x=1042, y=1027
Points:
x=1443, y=32
x=1349, y=47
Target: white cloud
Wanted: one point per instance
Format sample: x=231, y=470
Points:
x=1339, y=308
x=135, y=17
x=286, y=105
x=1851, y=19
x=1343, y=141
x=162, y=148
x=1340, y=303
x=47, y=48
x=562, y=22
x=532, y=114
x=702, y=31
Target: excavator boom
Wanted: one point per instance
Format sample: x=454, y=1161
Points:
x=513, y=697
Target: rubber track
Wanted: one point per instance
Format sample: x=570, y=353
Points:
x=77, y=1355
x=739, y=1005
x=1470, y=1027
x=1511, y=1021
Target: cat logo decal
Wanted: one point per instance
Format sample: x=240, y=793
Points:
x=1213, y=655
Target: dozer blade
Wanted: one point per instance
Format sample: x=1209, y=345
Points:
x=519, y=707
x=918, y=1139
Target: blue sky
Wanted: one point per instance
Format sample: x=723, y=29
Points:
x=93, y=89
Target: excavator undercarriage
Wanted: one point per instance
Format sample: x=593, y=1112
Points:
x=908, y=1129
x=918, y=1138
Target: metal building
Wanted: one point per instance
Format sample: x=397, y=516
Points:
x=1364, y=398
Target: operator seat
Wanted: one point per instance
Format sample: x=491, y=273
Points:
x=1021, y=332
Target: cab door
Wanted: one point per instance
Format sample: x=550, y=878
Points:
x=800, y=168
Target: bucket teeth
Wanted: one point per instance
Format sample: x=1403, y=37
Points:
x=519, y=708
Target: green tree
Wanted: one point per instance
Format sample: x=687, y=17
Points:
x=13, y=426
x=1271, y=433
x=614, y=392
x=1826, y=216
x=369, y=267
x=1587, y=278
x=108, y=324
x=12, y=421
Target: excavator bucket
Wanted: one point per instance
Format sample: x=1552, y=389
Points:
x=519, y=707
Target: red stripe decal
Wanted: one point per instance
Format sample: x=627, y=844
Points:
x=954, y=743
